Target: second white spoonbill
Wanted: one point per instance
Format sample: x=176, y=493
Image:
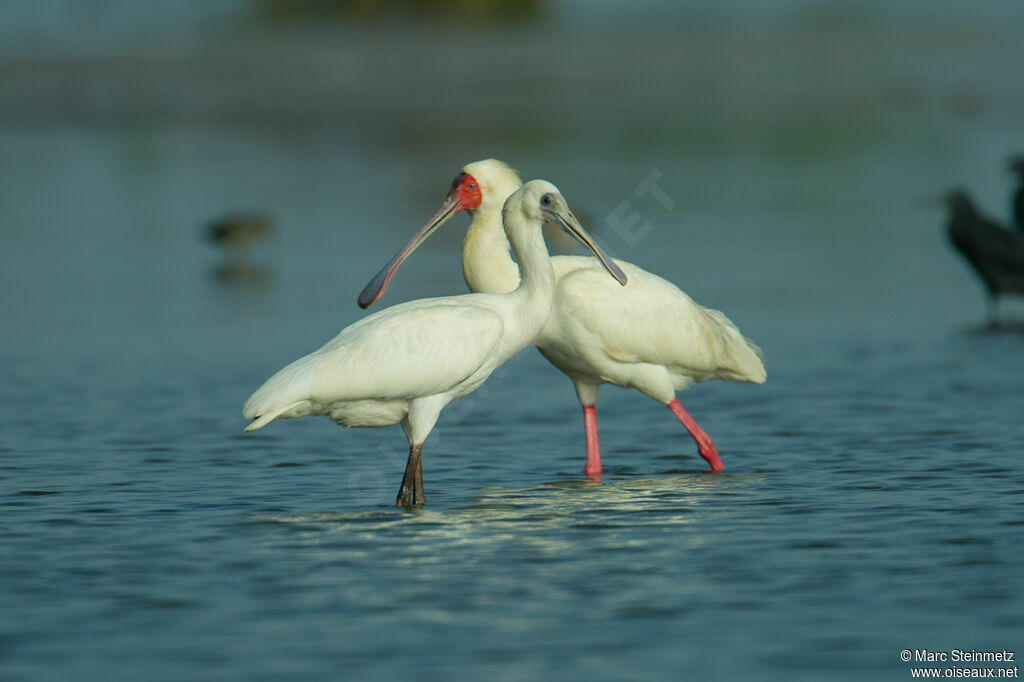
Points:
x=648, y=335
x=404, y=364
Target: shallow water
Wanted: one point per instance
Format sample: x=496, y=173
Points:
x=868, y=506
x=872, y=499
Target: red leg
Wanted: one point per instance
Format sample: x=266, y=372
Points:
x=705, y=445
x=593, y=466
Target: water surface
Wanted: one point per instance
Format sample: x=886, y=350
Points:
x=872, y=495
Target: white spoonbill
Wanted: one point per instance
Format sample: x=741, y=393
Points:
x=406, y=363
x=648, y=335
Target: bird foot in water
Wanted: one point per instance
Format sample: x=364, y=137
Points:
x=410, y=499
x=411, y=493
x=710, y=454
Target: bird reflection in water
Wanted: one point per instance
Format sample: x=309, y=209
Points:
x=668, y=494
x=627, y=502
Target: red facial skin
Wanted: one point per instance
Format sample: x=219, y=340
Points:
x=464, y=195
x=466, y=189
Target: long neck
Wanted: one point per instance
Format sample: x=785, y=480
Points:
x=486, y=263
x=536, y=288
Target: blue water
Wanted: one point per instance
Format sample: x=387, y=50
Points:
x=873, y=497
x=872, y=502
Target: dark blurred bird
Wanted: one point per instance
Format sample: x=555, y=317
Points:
x=995, y=253
x=234, y=233
x=1016, y=166
x=237, y=230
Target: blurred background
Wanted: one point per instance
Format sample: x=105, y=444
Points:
x=192, y=194
x=797, y=141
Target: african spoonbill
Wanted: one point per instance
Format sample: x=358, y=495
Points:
x=404, y=364
x=648, y=335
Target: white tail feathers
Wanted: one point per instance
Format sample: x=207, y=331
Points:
x=741, y=358
x=296, y=409
x=755, y=373
x=282, y=396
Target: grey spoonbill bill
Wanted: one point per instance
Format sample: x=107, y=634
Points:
x=648, y=335
x=404, y=364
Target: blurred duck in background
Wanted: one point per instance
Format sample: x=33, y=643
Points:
x=235, y=233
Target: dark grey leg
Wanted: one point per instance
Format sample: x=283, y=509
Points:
x=411, y=492
x=420, y=497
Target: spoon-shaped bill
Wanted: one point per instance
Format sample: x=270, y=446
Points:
x=379, y=284
x=559, y=214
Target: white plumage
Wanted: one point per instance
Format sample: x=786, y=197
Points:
x=421, y=348
x=405, y=363
x=648, y=335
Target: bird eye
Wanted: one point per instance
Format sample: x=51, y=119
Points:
x=471, y=185
x=546, y=200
